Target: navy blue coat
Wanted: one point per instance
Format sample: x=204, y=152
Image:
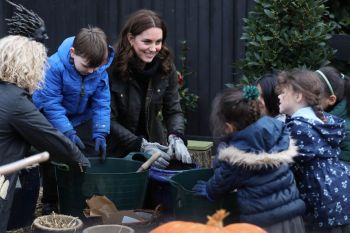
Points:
x=255, y=163
x=323, y=180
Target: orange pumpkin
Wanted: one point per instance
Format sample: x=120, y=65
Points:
x=214, y=225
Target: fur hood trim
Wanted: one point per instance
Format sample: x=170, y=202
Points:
x=234, y=156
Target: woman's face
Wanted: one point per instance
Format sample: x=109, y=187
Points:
x=147, y=44
x=263, y=109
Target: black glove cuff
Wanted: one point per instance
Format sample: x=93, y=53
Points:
x=136, y=145
x=180, y=135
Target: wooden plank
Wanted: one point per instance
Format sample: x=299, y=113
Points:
x=227, y=42
x=170, y=20
x=204, y=65
x=180, y=27
x=159, y=7
x=216, y=51
x=191, y=35
x=342, y=44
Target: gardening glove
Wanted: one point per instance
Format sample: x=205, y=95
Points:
x=72, y=135
x=153, y=147
x=84, y=162
x=177, y=147
x=4, y=185
x=100, y=146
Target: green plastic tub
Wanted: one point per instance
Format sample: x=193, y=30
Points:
x=189, y=207
x=116, y=178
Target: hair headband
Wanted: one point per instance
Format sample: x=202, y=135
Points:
x=326, y=81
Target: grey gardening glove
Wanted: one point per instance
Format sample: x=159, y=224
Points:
x=85, y=162
x=153, y=147
x=4, y=185
x=178, y=148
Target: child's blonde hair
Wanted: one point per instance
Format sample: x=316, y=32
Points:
x=22, y=62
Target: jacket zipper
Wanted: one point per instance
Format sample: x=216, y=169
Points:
x=82, y=92
x=147, y=103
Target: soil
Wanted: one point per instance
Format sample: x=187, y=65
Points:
x=178, y=165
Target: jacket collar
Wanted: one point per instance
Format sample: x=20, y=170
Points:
x=237, y=157
x=64, y=55
x=307, y=113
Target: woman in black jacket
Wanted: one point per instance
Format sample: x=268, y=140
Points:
x=144, y=93
x=22, y=64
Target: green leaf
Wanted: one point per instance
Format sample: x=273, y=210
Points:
x=253, y=43
x=267, y=38
x=268, y=13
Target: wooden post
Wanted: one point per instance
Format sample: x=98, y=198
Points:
x=201, y=152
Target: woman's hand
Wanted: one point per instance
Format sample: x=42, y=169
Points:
x=4, y=185
x=178, y=148
x=154, y=147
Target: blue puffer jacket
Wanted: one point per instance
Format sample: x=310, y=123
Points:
x=255, y=162
x=69, y=99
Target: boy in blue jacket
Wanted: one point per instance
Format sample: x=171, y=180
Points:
x=75, y=97
x=76, y=90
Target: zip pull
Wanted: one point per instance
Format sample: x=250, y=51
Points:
x=82, y=90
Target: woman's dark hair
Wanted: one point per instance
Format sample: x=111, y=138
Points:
x=305, y=82
x=268, y=84
x=230, y=106
x=340, y=84
x=137, y=23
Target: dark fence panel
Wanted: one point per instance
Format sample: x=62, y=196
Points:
x=212, y=29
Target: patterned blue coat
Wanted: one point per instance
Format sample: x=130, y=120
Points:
x=323, y=180
x=255, y=162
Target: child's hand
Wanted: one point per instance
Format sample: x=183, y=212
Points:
x=72, y=135
x=200, y=188
x=101, y=146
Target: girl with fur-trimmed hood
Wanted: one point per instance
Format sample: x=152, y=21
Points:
x=254, y=161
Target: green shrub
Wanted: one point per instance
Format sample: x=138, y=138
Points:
x=340, y=11
x=188, y=101
x=284, y=34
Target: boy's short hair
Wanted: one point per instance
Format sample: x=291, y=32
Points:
x=91, y=44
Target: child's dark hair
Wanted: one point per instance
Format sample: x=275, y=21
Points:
x=268, y=84
x=91, y=44
x=339, y=84
x=305, y=82
x=233, y=107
